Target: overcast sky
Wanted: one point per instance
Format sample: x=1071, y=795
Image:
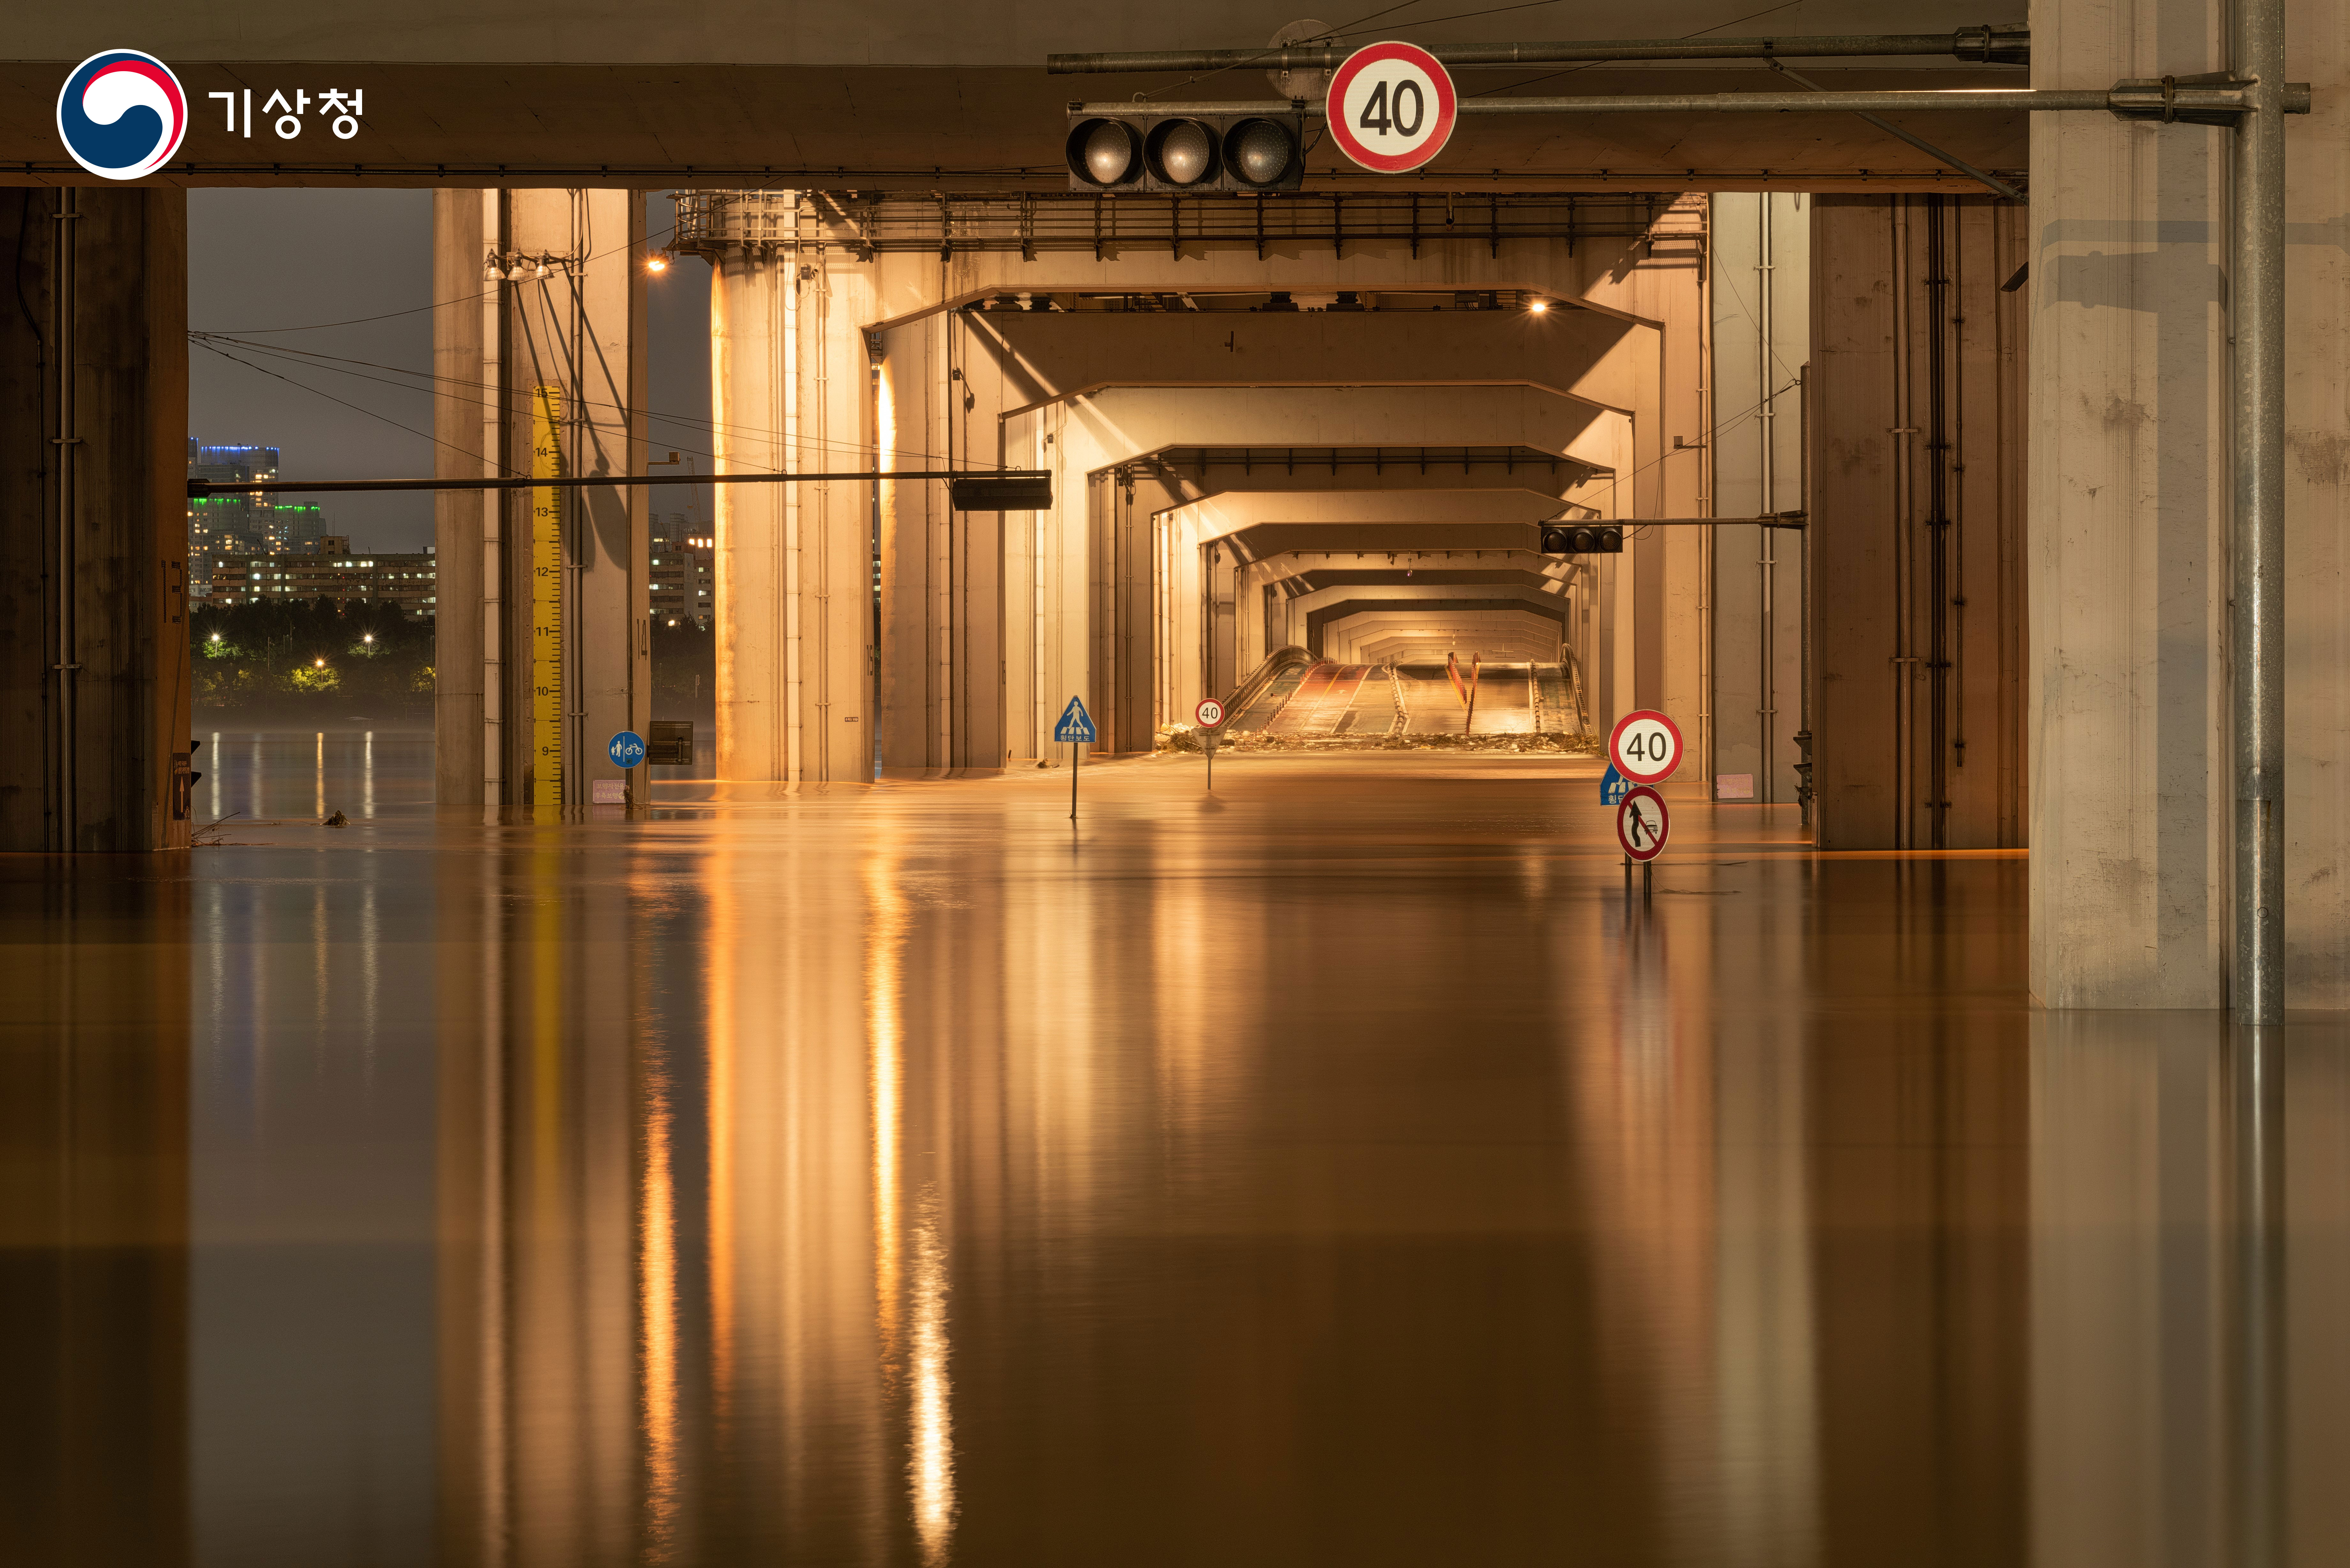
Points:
x=304, y=275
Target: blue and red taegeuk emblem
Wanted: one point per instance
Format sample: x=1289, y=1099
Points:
x=121, y=114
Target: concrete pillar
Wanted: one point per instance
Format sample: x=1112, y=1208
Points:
x=1760, y=298
x=559, y=274
x=470, y=433
x=94, y=671
x=939, y=666
x=794, y=386
x=2128, y=503
x=1917, y=475
x=754, y=295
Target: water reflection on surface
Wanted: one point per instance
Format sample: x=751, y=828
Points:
x=1349, y=1174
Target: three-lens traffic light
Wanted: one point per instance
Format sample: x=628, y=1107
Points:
x=1186, y=153
x=1582, y=539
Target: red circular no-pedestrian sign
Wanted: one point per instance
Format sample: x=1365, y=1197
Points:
x=1642, y=822
x=1391, y=107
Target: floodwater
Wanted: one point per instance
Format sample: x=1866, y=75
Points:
x=1342, y=1170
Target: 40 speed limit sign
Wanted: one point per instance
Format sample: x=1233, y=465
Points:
x=1645, y=746
x=1391, y=107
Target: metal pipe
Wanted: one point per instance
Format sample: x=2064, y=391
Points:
x=2258, y=548
x=1995, y=44
x=1767, y=433
x=2137, y=102
x=493, y=546
x=1902, y=470
x=201, y=487
x=1804, y=594
x=65, y=349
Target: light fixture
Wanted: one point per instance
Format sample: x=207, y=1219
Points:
x=318, y=664
x=369, y=638
x=1539, y=306
x=657, y=264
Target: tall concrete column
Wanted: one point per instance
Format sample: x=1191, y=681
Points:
x=939, y=666
x=755, y=296
x=94, y=666
x=470, y=433
x=558, y=276
x=1916, y=533
x=1760, y=288
x=2128, y=503
x=793, y=388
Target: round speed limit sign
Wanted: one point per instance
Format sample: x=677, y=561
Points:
x=1645, y=746
x=1209, y=713
x=1391, y=107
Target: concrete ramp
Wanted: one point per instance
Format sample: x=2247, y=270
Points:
x=1334, y=703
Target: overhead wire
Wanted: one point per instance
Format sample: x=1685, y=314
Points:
x=355, y=407
x=336, y=363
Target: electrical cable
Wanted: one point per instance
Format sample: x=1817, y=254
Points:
x=336, y=363
x=355, y=407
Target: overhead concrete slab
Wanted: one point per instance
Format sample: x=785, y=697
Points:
x=915, y=94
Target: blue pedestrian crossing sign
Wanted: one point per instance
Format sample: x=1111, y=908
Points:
x=1075, y=724
x=1612, y=787
x=627, y=750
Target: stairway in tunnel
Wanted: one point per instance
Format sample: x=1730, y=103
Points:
x=1332, y=703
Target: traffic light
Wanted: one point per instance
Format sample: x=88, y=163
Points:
x=1182, y=154
x=1582, y=539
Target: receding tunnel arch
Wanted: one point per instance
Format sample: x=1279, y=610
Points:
x=1429, y=610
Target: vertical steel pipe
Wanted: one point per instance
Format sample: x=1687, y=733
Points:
x=1766, y=561
x=2258, y=547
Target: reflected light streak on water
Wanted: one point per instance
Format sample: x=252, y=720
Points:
x=722, y=1112
x=657, y=1308
x=931, y=1466
x=885, y=940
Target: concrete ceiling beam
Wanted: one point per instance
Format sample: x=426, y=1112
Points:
x=1575, y=353
x=1125, y=422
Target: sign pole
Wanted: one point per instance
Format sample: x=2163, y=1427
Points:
x=1210, y=716
x=1077, y=727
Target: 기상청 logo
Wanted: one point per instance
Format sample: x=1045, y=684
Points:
x=121, y=114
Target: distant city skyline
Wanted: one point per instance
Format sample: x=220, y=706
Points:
x=329, y=296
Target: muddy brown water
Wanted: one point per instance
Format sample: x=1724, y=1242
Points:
x=1341, y=1170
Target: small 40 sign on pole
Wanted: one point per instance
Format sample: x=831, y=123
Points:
x=1645, y=746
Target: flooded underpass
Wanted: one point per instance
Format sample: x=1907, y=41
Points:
x=1347, y=1165
x=1336, y=706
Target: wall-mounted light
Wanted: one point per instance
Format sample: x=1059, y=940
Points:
x=657, y=264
